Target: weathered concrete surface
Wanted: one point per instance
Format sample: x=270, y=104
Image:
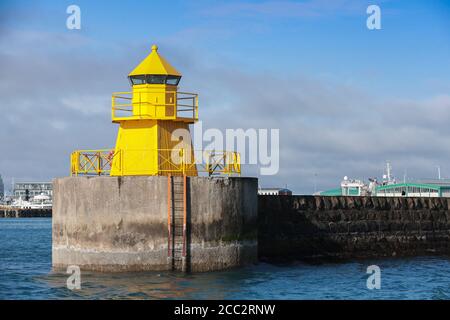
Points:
x=120, y=223
x=318, y=227
x=223, y=222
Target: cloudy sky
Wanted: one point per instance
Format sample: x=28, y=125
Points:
x=345, y=98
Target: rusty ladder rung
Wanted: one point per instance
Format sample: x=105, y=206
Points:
x=176, y=217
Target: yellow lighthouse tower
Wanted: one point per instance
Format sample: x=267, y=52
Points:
x=153, y=136
x=150, y=191
x=149, y=117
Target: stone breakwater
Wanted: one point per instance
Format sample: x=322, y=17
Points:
x=319, y=227
x=8, y=212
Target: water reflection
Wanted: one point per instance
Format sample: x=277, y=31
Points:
x=25, y=261
x=146, y=285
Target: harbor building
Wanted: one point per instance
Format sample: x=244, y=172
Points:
x=28, y=190
x=414, y=190
x=152, y=202
x=389, y=187
x=407, y=189
x=274, y=191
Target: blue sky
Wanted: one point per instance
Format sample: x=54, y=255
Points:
x=331, y=76
x=334, y=42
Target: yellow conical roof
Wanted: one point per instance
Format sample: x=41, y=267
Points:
x=154, y=64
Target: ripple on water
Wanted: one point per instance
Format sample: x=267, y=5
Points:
x=25, y=261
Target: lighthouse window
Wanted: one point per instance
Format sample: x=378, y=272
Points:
x=137, y=79
x=172, y=80
x=156, y=79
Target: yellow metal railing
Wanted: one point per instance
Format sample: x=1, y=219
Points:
x=185, y=106
x=91, y=161
x=170, y=161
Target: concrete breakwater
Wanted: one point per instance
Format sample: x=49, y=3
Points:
x=320, y=227
x=8, y=212
x=122, y=224
x=132, y=223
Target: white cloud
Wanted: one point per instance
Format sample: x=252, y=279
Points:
x=327, y=129
x=87, y=104
x=58, y=124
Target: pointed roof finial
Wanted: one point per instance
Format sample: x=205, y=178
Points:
x=154, y=63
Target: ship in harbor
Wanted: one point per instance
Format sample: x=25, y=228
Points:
x=29, y=195
x=390, y=187
x=41, y=201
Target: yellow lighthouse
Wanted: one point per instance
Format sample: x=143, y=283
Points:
x=149, y=117
x=153, y=136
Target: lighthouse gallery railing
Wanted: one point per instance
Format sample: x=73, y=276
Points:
x=125, y=106
x=100, y=162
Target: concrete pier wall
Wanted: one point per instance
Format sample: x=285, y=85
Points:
x=121, y=223
x=319, y=227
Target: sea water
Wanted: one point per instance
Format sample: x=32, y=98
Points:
x=25, y=273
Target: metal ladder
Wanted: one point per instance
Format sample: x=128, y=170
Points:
x=176, y=215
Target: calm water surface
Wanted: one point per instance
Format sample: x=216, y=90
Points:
x=25, y=265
